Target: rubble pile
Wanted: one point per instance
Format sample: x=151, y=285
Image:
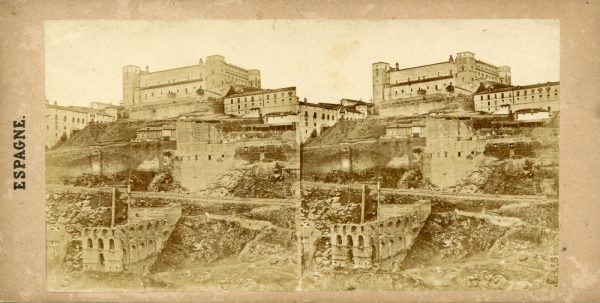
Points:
x=164, y=182
x=279, y=216
x=449, y=236
x=140, y=180
x=257, y=251
x=327, y=207
x=75, y=211
x=545, y=215
x=256, y=180
x=413, y=178
x=201, y=240
x=525, y=176
x=484, y=280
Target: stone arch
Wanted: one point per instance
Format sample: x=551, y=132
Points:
x=361, y=241
x=353, y=229
x=111, y=244
x=373, y=253
x=338, y=239
x=151, y=244
x=100, y=243
x=125, y=256
x=101, y=259
x=104, y=232
x=90, y=243
x=349, y=251
x=149, y=225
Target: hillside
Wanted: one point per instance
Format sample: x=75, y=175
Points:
x=355, y=130
x=107, y=133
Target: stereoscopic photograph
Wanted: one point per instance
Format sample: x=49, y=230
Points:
x=302, y=155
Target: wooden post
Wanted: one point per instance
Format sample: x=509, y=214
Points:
x=112, y=209
x=128, y=200
x=362, y=204
x=378, y=195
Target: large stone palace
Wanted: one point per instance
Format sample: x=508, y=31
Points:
x=171, y=92
x=437, y=86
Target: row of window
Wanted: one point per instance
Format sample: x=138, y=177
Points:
x=436, y=87
x=79, y=120
x=187, y=91
x=323, y=116
x=259, y=97
x=512, y=101
x=209, y=157
x=458, y=154
x=518, y=93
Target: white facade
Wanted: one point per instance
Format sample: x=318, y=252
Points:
x=544, y=96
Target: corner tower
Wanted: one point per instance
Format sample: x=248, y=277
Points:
x=504, y=74
x=466, y=68
x=254, y=78
x=131, y=85
x=379, y=81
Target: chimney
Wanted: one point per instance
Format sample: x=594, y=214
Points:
x=147, y=69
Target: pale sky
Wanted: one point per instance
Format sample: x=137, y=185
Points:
x=325, y=60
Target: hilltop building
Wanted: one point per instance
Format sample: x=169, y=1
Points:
x=171, y=92
x=543, y=96
x=265, y=101
x=315, y=117
x=432, y=87
x=64, y=120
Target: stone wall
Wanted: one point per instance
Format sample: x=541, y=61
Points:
x=424, y=105
x=360, y=156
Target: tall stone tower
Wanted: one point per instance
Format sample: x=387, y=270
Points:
x=466, y=69
x=254, y=77
x=214, y=69
x=379, y=81
x=504, y=74
x=131, y=85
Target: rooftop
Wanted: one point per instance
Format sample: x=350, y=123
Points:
x=250, y=91
x=517, y=87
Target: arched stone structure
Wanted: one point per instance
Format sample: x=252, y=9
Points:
x=123, y=247
x=377, y=240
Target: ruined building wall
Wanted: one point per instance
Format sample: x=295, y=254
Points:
x=204, y=155
x=450, y=151
x=361, y=245
x=358, y=157
x=129, y=246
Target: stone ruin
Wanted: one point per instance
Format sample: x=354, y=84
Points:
x=129, y=247
x=392, y=234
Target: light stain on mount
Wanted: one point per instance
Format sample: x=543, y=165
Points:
x=342, y=50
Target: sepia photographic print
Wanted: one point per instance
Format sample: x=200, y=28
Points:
x=302, y=155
